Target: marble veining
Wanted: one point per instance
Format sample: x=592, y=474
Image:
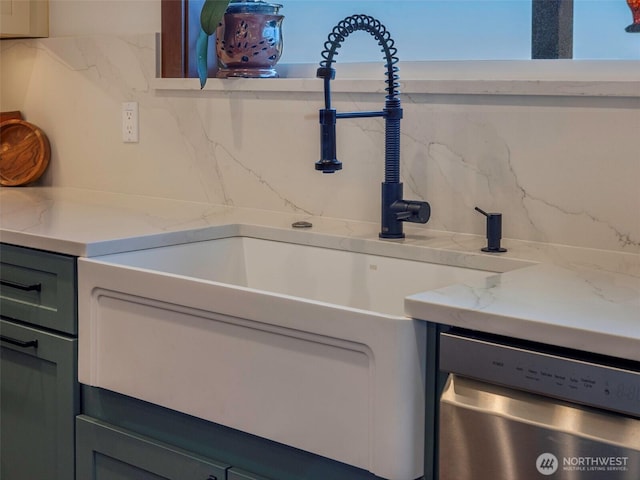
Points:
x=603, y=315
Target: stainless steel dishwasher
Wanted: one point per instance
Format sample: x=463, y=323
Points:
x=516, y=410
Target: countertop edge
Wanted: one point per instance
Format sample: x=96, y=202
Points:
x=549, y=333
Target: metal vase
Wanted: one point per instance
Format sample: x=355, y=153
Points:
x=249, y=41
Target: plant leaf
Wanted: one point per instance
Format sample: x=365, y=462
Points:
x=202, y=47
x=211, y=14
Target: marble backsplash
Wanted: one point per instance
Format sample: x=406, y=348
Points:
x=561, y=169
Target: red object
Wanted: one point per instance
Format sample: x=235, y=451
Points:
x=634, y=5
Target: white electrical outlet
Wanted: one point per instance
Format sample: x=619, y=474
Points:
x=130, y=122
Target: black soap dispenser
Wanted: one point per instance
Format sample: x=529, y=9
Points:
x=494, y=232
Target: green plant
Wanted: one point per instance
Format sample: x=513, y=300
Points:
x=210, y=17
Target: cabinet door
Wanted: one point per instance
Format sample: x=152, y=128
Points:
x=39, y=399
x=107, y=452
x=24, y=18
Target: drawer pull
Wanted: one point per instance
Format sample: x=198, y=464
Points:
x=19, y=343
x=21, y=286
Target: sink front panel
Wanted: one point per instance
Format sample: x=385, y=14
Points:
x=272, y=382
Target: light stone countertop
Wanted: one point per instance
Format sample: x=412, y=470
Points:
x=574, y=297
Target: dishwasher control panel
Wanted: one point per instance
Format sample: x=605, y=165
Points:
x=556, y=375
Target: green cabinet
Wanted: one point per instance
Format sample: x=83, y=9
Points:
x=38, y=401
x=107, y=452
x=108, y=417
x=39, y=392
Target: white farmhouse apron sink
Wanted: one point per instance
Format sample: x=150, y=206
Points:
x=303, y=345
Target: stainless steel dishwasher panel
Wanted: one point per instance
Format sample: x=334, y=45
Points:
x=498, y=433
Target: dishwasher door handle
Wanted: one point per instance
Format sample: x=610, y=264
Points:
x=21, y=286
x=19, y=343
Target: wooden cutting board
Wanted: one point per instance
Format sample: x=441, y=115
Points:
x=24, y=152
x=10, y=115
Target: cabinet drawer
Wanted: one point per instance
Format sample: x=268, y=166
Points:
x=107, y=452
x=38, y=288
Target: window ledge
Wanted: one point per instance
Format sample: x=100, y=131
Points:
x=617, y=78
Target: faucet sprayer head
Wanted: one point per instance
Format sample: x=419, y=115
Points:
x=328, y=162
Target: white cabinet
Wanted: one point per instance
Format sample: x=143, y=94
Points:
x=24, y=18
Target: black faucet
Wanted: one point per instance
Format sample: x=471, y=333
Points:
x=395, y=210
